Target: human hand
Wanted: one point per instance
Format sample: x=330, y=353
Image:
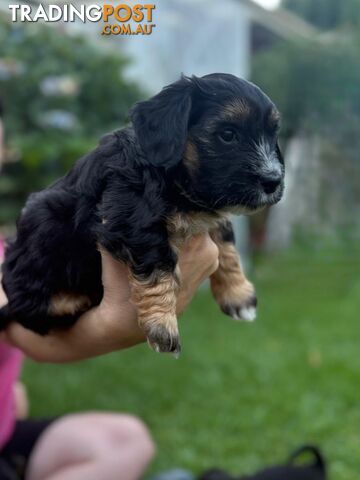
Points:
x=113, y=324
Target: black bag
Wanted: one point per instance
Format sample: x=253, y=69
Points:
x=316, y=470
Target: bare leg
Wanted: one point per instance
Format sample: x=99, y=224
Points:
x=92, y=446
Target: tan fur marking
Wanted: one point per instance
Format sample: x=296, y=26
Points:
x=274, y=117
x=68, y=304
x=183, y=226
x=191, y=158
x=155, y=300
x=236, y=109
x=229, y=284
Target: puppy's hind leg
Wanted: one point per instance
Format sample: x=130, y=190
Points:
x=66, y=307
x=231, y=289
x=42, y=316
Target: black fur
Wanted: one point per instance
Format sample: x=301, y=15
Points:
x=227, y=232
x=161, y=124
x=121, y=194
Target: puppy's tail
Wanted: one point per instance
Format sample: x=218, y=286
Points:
x=319, y=462
x=4, y=317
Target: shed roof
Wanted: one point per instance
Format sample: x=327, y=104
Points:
x=280, y=21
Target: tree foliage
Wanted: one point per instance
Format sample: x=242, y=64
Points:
x=327, y=14
x=60, y=94
x=314, y=84
x=316, y=87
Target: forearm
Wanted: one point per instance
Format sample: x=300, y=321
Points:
x=91, y=336
x=113, y=324
x=95, y=333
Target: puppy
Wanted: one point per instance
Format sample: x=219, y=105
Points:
x=201, y=149
x=316, y=470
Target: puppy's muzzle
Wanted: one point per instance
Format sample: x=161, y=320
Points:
x=271, y=181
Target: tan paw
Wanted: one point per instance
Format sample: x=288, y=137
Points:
x=239, y=301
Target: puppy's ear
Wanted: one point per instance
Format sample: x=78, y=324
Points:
x=279, y=154
x=161, y=123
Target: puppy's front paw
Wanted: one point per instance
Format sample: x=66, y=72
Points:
x=239, y=301
x=163, y=336
x=245, y=311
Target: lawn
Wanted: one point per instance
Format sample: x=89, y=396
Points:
x=242, y=395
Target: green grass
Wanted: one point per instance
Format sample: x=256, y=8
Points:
x=241, y=396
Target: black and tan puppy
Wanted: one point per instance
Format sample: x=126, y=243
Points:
x=201, y=149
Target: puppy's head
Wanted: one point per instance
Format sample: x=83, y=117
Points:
x=221, y=134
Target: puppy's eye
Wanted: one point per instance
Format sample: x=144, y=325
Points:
x=228, y=135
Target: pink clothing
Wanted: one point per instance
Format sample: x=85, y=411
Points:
x=10, y=364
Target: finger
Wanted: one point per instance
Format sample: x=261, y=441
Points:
x=194, y=243
x=211, y=255
x=202, y=250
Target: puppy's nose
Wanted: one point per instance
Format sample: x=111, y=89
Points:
x=270, y=182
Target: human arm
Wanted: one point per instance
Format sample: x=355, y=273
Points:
x=113, y=324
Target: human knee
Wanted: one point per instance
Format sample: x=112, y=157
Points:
x=137, y=434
